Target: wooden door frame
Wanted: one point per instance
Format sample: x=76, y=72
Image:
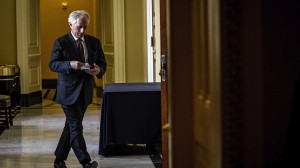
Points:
x=181, y=97
x=180, y=106
x=164, y=85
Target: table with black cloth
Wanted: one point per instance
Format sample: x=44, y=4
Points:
x=130, y=114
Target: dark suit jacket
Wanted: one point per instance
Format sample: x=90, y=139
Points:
x=70, y=82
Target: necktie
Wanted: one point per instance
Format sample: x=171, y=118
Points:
x=80, y=51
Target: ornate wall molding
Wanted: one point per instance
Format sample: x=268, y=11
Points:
x=28, y=48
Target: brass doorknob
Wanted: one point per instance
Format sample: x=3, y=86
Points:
x=166, y=127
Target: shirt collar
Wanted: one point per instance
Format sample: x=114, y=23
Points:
x=77, y=38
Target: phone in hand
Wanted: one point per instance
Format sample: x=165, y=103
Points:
x=87, y=66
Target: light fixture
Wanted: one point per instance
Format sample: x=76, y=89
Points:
x=64, y=5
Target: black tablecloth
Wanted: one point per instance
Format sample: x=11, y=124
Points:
x=130, y=114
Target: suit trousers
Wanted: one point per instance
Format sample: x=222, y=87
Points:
x=72, y=135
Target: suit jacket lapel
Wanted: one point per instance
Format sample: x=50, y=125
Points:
x=89, y=49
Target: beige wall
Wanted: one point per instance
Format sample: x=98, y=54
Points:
x=135, y=40
x=54, y=24
x=8, y=50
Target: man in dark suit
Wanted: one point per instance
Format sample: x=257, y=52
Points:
x=77, y=57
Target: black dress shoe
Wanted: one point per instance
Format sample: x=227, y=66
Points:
x=94, y=164
x=59, y=164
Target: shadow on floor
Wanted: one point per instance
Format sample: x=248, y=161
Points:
x=154, y=152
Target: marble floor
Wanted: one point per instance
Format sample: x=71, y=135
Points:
x=31, y=141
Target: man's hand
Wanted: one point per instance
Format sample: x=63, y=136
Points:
x=93, y=71
x=76, y=65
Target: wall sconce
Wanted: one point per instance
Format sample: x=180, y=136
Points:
x=64, y=5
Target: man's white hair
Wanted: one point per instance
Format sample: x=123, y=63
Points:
x=78, y=14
